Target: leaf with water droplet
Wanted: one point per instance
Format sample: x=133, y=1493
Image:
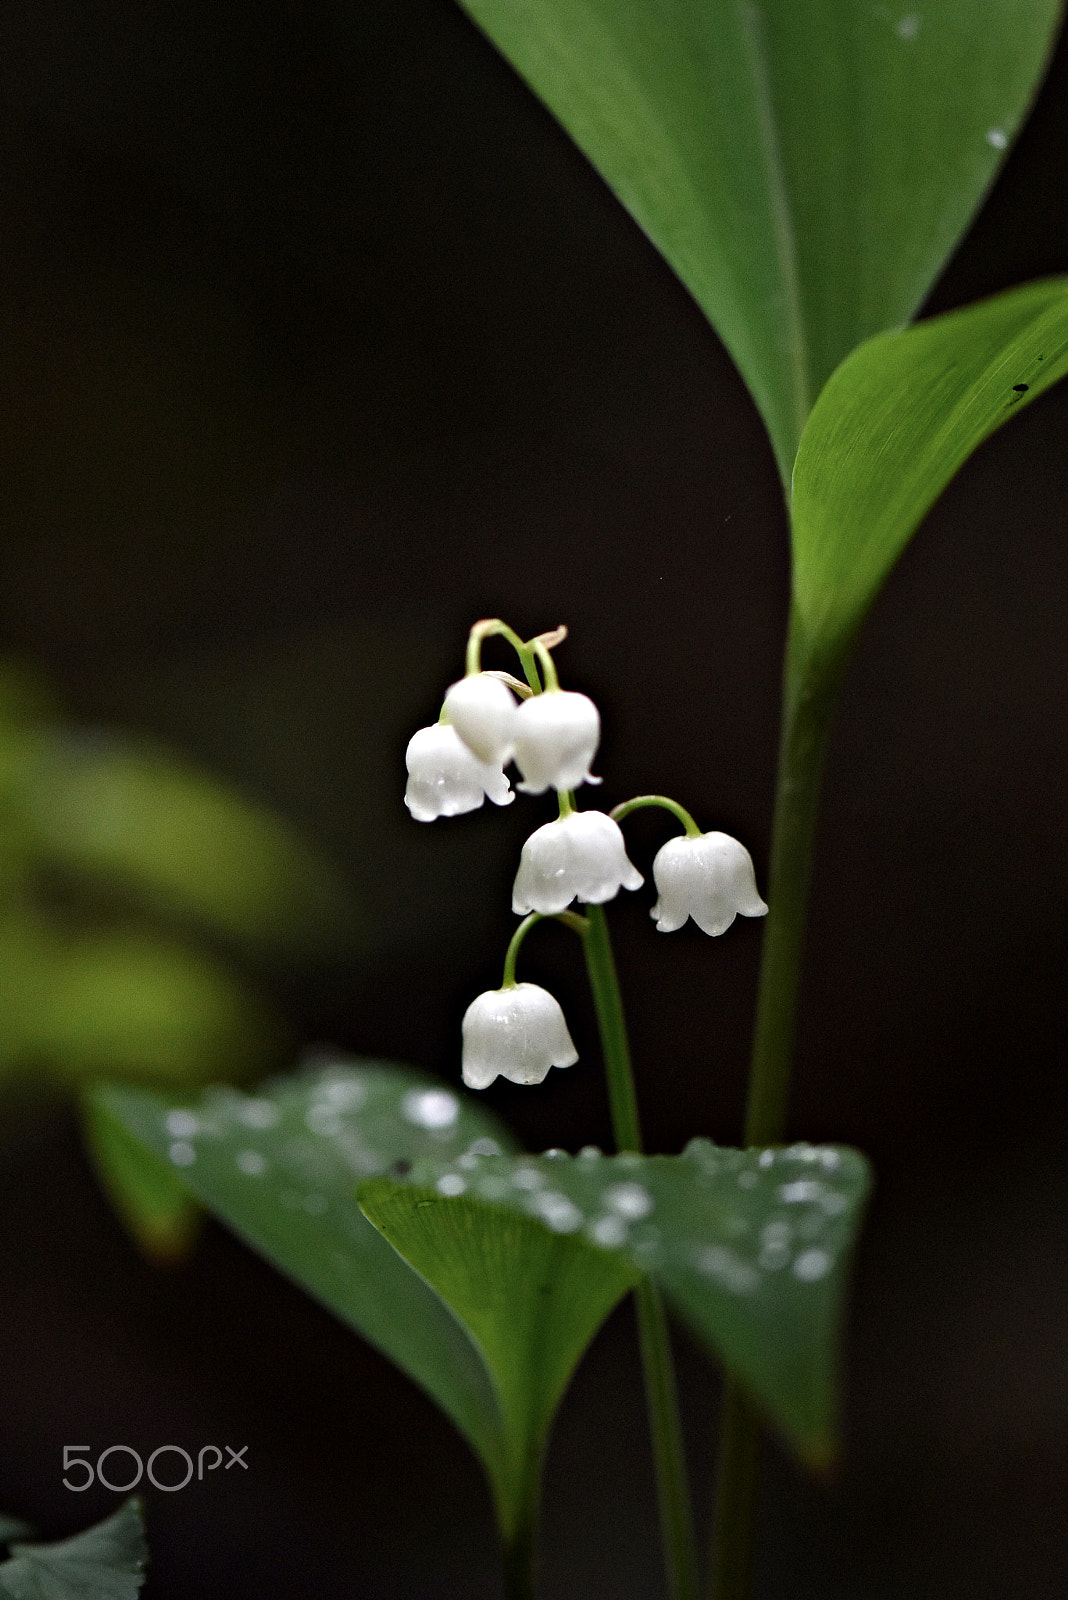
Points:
x=149, y=1199
x=805, y=166
x=530, y=1298
x=106, y=1562
x=281, y=1168
x=751, y=1248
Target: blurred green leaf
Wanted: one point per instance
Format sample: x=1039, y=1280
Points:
x=106, y=1562
x=806, y=166
x=131, y=1002
x=12, y=1528
x=892, y=427
x=147, y=1196
x=131, y=817
x=530, y=1299
x=281, y=1168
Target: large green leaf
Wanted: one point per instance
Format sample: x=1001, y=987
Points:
x=751, y=1248
x=106, y=1562
x=142, y=1187
x=531, y=1298
x=891, y=428
x=282, y=1167
x=806, y=166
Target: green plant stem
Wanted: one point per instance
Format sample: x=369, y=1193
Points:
x=520, y=1548
x=673, y=1491
x=809, y=690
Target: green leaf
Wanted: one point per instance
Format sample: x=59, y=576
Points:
x=143, y=1189
x=806, y=166
x=751, y=1248
x=111, y=811
x=281, y=1168
x=106, y=1562
x=531, y=1299
x=891, y=428
x=130, y=1001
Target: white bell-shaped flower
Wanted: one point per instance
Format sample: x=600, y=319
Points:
x=482, y=709
x=518, y=1033
x=445, y=779
x=556, y=738
x=582, y=856
x=709, y=878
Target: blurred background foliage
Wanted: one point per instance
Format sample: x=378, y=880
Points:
x=317, y=341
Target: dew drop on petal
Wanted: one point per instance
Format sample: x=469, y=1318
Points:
x=451, y=1183
x=997, y=138
x=557, y=1211
x=430, y=1108
x=800, y=1191
x=182, y=1153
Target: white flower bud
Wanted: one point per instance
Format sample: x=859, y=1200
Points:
x=444, y=778
x=518, y=1032
x=581, y=856
x=556, y=738
x=709, y=878
x=482, y=710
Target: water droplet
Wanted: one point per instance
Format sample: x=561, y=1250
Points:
x=773, y=1256
x=830, y=1160
x=629, y=1200
x=484, y=1147
x=181, y=1124
x=832, y=1203
x=800, y=1191
x=557, y=1211
x=451, y=1183
x=527, y=1178
x=251, y=1163
x=629, y=1159
x=555, y=1154
x=997, y=137
x=430, y=1108
x=467, y=1161
x=812, y=1264
x=908, y=27
x=315, y=1204
x=590, y=1152
x=765, y=1158
x=323, y=1120
x=258, y=1113
x=182, y=1153
x=609, y=1231
x=343, y=1094
x=730, y=1270
x=747, y=1179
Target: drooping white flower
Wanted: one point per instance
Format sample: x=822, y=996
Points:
x=582, y=856
x=444, y=778
x=518, y=1033
x=482, y=709
x=709, y=878
x=556, y=738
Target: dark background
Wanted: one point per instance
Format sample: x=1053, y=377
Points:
x=318, y=340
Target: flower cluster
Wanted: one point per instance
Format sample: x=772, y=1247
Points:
x=518, y=1031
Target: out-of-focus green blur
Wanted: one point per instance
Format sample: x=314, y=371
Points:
x=140, y=902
